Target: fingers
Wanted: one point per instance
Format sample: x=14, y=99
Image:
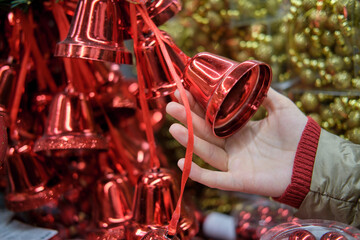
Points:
x=194, y=106
x=210, y=153
x=201, y=129
x=213, y=179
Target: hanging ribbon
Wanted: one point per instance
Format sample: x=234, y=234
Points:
x=20, y=85
x=44, y=75
x=154, y=160
x=190, y=146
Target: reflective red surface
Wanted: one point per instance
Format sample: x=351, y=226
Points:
x=156, y=74
x=333, y=236
x=3, y=138
x=97, y=32
x=162, y=10
x=302, y=235
x=230, y=92
x=113, y=199
x=30, y=183
x=159, y=234
x=155, y=199
x=8, y=77
x=70, y=126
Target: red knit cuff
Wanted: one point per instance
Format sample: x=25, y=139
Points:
x=303, y=166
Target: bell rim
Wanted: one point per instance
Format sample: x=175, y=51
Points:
x=70, y=142
x=37, y=198
x=119, y=55
x=233, y=125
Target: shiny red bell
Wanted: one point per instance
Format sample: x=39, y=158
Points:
x=113, y=199
x=159, y=234
x=30, y=183
x=155, y=199
x=70, y=128
x=301, y=235
x=97, y=32
x=162, y=10
x=112, y=92
x=8, y=77
x=3, y=137
x=230, y=92
x=333, y=236
x=159, y=82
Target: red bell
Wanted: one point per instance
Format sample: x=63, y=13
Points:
x=159, y=82
x=3, y=138
x=30, y=184
x=97, y=32
x=162, y=10
x=159, y=234
x=301, y=235
x=155, y=199
x=229, y=92
x=113, y=199
x=70, y=128
x=7, y=86
x=333, y=236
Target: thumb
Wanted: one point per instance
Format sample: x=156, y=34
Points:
x=275, y=101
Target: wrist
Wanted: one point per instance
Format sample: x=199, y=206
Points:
x=303, y=166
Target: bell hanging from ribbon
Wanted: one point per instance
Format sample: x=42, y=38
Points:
x=159, y=234
x=97, y=32
x=156, y=74
x=161, y=11
x=113, y=199
x=230, y=92
x=70, y=127
x=8, y=77
x=30, y=183
x=155, y=198
x=112, y=93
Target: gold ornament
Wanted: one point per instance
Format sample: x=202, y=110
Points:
x=316, y=117
x=353, y=135
x=301, y=42
x=309, y=102
x=342, y=80
x=356, y=82
x=308, y=77
x=334, y=64
x=327, y=38
x=353, y=119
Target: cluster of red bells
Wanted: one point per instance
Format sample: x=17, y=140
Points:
x=230, y=93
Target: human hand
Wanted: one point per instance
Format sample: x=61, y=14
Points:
x=258, y=159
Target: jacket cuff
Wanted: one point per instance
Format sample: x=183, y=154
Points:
x=303, y=166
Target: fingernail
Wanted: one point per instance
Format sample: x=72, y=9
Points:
x=177, y=95
x=181, y=163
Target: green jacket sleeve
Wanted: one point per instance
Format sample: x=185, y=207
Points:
x=335, y=184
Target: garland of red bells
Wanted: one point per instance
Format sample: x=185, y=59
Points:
x=229, y=92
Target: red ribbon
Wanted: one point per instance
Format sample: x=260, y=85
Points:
x=154, y=160
x=190, y=146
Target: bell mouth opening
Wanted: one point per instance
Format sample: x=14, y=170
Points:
x=236, y=98
x=240, y=97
